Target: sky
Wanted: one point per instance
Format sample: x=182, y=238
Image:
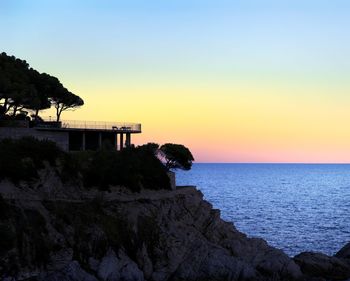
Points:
x=235, y=81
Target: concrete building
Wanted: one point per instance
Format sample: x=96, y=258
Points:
x=73, y=135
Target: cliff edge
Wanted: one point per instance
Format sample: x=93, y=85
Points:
x=120, y=235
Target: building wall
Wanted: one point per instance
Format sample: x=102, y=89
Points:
x=60, y=138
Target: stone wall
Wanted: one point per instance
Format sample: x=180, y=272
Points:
x=59, y=137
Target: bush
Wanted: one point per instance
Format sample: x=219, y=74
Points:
x=134, y=168
x=20, y=159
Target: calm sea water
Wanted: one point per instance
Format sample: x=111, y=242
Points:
x=295, y=207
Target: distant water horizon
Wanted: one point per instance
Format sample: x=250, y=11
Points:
x=295, y=207
x=277, y=163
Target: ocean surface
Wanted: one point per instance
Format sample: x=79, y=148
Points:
x=295, y=207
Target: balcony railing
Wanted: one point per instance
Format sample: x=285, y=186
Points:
x=98, y=125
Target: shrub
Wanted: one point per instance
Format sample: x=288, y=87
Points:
x=20, y=159
x=135, y=168
x=132, y=167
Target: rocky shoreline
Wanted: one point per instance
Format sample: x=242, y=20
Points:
x=151, y=235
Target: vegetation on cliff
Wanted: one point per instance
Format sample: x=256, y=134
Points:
x=133, y=167
x=174, y=156
x=21, y=159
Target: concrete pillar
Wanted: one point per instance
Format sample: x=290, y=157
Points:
x=83, y=141
x=128, y=140
x=121, y=146
x=100, y=140
x=115, y=141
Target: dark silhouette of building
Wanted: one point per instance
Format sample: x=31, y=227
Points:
x=73, y=135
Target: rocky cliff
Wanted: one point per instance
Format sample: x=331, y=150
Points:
x=119, y=235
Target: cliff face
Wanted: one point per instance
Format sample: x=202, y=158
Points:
x=151, y=235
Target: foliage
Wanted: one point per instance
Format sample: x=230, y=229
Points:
x=22, y=158
x=132, y=167
x=151, y=146
x=23, y=88
x=65, y=100
x=176, y=156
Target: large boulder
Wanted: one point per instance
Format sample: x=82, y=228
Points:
x=118, y=267
x=321, y=265
x=72, y=272
x=344, y=252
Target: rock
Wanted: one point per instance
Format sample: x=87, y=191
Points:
x=72, y=272
x=344, y=252
x=321, y=265
x=144, y=261
x=118, y=268
x=151, y=235
x=93, y=264
x=107, y=270
x=215, y=264
x=60, y=259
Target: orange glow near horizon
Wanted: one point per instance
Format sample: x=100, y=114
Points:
x=235, y=81
x=240, y=125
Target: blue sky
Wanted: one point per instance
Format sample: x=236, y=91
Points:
x=276, y=60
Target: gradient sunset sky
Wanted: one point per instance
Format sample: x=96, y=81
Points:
x=235, y=81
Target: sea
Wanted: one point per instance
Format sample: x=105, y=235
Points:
x=294, y=207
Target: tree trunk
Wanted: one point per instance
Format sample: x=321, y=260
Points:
x=14, y=110
x=6, y=105
x=58, y=114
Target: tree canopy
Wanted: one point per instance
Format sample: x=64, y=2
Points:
x=23, y=90
x=176, y=156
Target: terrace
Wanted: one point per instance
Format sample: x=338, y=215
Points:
x=73, y=135
x=119, y=127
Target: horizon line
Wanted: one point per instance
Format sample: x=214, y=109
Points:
x=278, y=163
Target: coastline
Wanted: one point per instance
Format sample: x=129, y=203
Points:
x=157, y=235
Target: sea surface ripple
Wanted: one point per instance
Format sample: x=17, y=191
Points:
x=295, y=207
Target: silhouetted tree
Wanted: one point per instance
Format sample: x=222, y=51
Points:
x=151, y=146
x=38, y=96
x=65, y=100
x=22, y=88
x=176, y=156
x=14, y=81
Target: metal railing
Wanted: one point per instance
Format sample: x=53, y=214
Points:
x=100, y=125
